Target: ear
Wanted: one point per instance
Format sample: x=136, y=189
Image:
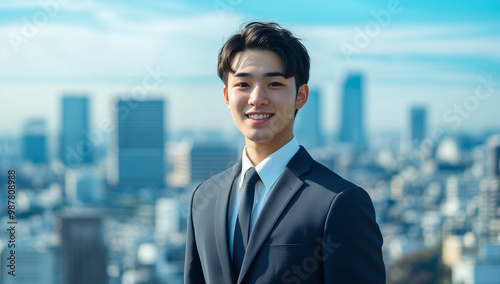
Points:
x=226, y=96
x=302, y=96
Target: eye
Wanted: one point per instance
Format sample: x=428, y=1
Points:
x=275, y=84
x=242, y=84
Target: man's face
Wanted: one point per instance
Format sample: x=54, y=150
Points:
x=261, y=100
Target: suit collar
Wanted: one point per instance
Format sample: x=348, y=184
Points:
x=273, y=165
x=301, y=162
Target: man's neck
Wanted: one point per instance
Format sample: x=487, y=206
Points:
x=257, y=152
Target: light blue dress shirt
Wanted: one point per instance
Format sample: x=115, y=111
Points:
x=269, y=170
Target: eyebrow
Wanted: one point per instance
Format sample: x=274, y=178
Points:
x=268, y=74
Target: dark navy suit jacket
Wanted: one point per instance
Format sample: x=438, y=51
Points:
x=315, y=227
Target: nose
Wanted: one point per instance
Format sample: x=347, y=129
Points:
x=258, y=96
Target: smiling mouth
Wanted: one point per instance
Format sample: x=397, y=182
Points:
x=259, y=116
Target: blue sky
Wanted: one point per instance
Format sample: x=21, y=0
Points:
x=421, y=52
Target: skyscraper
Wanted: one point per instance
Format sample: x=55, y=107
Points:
x=489, y=208
x=34, y=141
x=83, y=249
x=494, y=157
x=352, y=128
x=75, y=148
x=209, y=159
x=418, y=125
x=308, y=122
x=141, y=143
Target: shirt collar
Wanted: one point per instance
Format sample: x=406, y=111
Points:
x=272, y=166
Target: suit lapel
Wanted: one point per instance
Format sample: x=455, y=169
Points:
x=221, y=227
x=283, y=191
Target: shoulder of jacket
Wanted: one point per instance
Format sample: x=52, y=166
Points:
x=327, y=178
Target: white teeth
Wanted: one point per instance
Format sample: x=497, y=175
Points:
x=259, y=116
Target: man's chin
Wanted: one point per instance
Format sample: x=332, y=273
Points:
x=262, y=136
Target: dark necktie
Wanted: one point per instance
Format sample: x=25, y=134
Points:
x=242, y=228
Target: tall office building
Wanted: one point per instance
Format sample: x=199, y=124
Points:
x=167, y=221
x=34, y=141
x=83, y=250
x=352, y=128
x=180, y=163
x=141, y=143
x=75, y=148
x=209, y=159
x=489, y=198
x=308, y=122
x=418, y=125
x=494, y=157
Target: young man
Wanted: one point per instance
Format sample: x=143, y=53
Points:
x=277, y=216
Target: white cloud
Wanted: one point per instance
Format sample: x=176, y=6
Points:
x=187, y=45
x=410, y=40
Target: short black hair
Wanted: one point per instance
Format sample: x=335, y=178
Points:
x=267, y=36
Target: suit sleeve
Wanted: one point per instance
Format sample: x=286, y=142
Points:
x=193, y=273
x=352, y=241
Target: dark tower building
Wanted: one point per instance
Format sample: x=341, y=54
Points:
x=34, y=142
x=352, y=128
x=141, y=143
x=83, y=250
x=418, y=125
x=75, y=148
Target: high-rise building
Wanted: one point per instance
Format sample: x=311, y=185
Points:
x=494, y=157
x=418, y=125
x=75, y=148
x=141, y=143
x=208, y=160
x=167, y=219
x=308, y=122
x=180, y=163
x=352, y=128
x=489, y=210
x=489, y=195
x=83, y=250
x=34, y=142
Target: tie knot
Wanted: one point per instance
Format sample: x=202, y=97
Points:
x=251, y=176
